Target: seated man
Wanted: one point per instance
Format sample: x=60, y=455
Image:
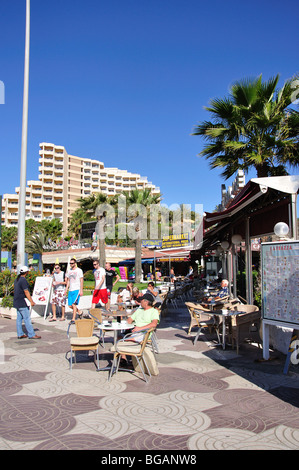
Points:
x=223, y=292
x=151, y=289
x=145, y=317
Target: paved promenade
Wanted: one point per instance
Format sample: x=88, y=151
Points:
x=203, y=397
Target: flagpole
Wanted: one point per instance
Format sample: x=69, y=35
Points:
x=22, y=194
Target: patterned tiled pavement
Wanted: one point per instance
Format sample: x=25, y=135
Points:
x=203, y=397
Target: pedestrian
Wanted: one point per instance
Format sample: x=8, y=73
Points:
x=110, y=274
x=100, y=291
x=74, y=284
x=21, y=292
x=58, y=296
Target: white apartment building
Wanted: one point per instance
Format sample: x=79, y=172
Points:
x=63, y=179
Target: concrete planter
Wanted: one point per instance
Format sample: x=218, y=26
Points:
x=8, y=312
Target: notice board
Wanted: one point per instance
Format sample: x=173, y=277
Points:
x=280, y=282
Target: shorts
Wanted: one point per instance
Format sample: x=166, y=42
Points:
x=73, y=297
x=109, y=292
x=100, y=295
x=58, y=298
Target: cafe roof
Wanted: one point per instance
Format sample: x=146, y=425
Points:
x=262, y=201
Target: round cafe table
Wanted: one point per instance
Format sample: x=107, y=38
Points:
x=117, y=313
x=115, y=326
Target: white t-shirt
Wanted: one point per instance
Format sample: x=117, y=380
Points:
x=98, y=274
x=59, y=277
x=125, y=295
x=74, y=276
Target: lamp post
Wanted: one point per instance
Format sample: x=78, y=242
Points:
x=22, y=194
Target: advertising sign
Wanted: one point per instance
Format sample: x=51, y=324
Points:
x=152, y=243
x=176, y=241
x=42, y=293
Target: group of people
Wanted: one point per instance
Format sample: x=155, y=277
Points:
x=69, y=288
x=66, y=288
x=132, y=293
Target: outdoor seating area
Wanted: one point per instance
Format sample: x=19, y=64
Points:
x=229, y=319
x=227, y=323
x=109, y=328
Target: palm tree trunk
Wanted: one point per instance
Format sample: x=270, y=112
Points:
x=100, y=228
x=102, y=257
x=138, y=267
x=262, y=170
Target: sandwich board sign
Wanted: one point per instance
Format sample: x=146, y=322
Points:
x=42, y=293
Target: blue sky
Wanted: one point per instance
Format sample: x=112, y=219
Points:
x=125, y=82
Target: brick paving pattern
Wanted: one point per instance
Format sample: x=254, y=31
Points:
x=203, y=397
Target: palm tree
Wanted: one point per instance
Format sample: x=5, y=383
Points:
x=254, y=127
x=36, y=242
x=53, y=228
x=9, y=237
x=96, y=205
x=139, y=202
x=77, y=218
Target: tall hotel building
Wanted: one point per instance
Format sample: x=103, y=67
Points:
x=63, y=179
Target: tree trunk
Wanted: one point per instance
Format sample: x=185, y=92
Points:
x=138, y=266
x=262, y=170
x=100, y=229
x=102, y=258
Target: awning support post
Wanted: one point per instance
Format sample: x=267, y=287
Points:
x=249, y=286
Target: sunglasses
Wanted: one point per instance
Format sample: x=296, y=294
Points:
x=72, y=264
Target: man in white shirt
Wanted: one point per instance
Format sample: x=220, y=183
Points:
x=74, y=283
x=100, y=292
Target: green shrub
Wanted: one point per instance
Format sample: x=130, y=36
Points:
x=89, y=276
x=6, y=282
x=7, y=302
x=31, y=276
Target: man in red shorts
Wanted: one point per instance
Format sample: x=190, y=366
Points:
x=100, y=291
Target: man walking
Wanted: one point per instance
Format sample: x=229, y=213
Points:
x=21, y=291
x=100, y=291
x=74, y=284
x=110, y=274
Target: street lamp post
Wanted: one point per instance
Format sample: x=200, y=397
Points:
x=22, y=194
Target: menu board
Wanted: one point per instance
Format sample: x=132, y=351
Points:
x=42, y=290
x=280, y=281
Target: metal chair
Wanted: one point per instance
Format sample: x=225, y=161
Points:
x=133, y=349
x=198, y=319
x=96, y=314
x=85, y=340
x=241, y=325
